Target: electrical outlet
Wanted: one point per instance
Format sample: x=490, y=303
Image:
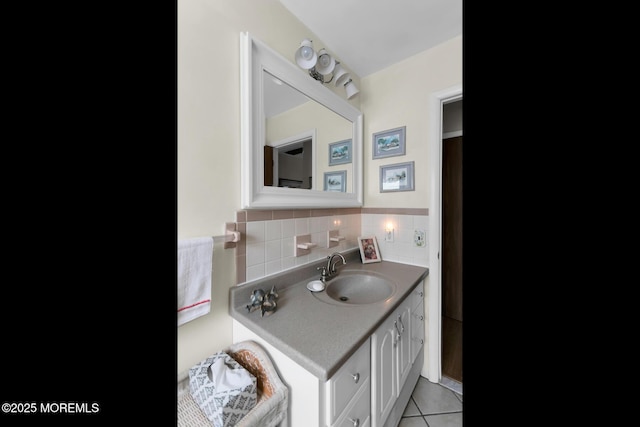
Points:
x=388, y=235
x=419, y=238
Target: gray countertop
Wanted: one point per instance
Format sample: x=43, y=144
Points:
x=318, y=335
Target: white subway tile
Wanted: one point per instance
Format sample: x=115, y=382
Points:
x=318, y=224
x=273, y=230
x=288, y=262
x=302, y=226
x=255, y=253
x=255, y=272
x=273, y=267
x=287, y=249
x=288, y=228
x=273, y=250
x=255, y=231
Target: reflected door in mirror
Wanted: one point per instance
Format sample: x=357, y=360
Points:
x=289, y=165
x=268, y=165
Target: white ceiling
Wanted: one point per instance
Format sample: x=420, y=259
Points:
x=370, y=35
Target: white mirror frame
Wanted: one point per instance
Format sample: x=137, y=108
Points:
x=255, y=58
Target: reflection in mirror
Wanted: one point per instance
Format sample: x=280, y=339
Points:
x=298, y=132
x=288, y=163
x=276, y=132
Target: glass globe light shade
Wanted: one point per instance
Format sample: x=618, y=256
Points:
x=306, y=52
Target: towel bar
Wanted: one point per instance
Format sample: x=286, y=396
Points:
x=231, y=236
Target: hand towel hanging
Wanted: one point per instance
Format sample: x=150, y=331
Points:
x=195, y=267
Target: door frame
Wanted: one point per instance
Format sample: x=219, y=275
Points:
x=433, y=354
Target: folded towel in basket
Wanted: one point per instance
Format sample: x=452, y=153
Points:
x=195, y=266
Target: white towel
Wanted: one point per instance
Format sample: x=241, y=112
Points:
x=195, y=265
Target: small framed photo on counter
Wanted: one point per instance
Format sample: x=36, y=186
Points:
x=369, y=251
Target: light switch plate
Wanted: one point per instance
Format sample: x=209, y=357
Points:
x=419, y=238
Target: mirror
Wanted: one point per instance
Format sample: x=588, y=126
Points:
x=301, y=142
x=298, y=131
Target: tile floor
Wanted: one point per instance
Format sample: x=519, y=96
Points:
x=434, y=405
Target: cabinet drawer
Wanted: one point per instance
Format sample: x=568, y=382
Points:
x=347, y=381
x=359, y=413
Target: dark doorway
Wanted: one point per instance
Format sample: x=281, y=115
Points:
x=452, y=257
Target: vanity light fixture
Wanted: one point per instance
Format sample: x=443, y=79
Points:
x=321, y=65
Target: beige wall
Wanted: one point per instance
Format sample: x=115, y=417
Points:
x=399, y=96
x=208, y=119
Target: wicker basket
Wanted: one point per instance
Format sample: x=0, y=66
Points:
x=273, y=395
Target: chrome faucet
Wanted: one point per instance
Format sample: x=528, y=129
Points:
x=331, y=268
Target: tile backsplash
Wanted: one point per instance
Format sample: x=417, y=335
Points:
x=402, y=249
x=267, y=246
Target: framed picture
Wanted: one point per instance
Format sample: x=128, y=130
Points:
x=369, y=251
x=389, y=143
x=340, y=152
x=397, y=177
x=335, y=181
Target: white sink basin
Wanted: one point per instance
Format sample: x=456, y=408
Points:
x=357, y=287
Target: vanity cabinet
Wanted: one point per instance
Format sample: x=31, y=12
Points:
x=368, y=388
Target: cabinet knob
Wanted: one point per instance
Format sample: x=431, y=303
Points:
x=356, y=377
x=355, y=422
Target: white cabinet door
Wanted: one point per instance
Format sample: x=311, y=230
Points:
x=403, y=348
x=383, y=367
x=393, y=352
